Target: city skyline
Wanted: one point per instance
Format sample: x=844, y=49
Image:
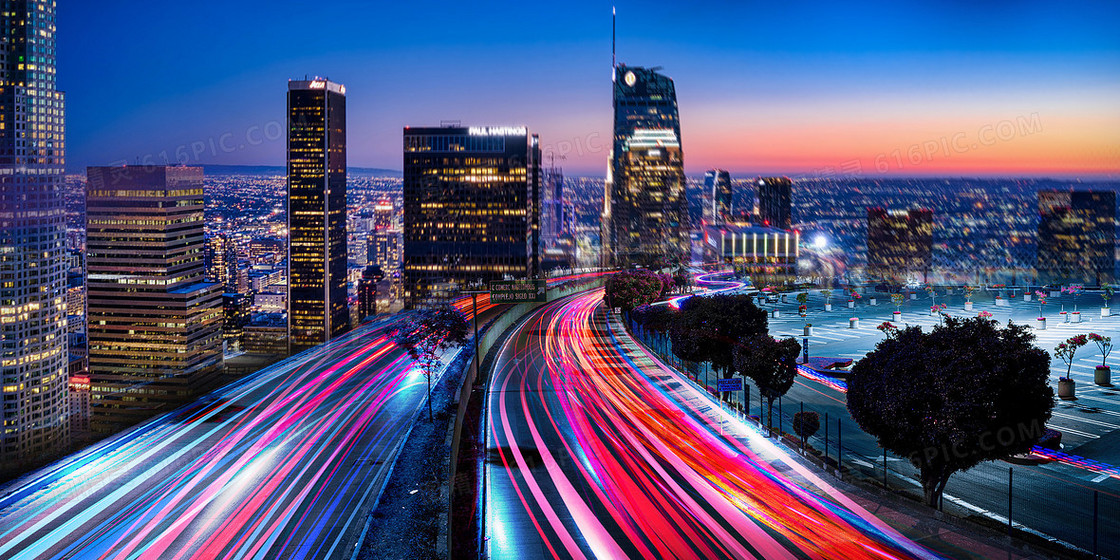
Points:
x=924, y=91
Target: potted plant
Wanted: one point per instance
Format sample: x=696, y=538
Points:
x=999, y=296
x=1102, y=375
x=1041, y=301
x=808, y=329
x=1066, y=351
x=910, y=294
x=853, y=323
x=897, y=300
x=932, y=294
x=968, y=297
x=1106, y=294
x=938, y=310
x=852, y=299
x=872, y=301
x=984, y=315
x=803, y=310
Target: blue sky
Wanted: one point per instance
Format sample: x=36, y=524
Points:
x=763, y=87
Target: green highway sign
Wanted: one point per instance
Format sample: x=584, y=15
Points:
x=518, y=291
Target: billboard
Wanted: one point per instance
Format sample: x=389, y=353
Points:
x=518, y=291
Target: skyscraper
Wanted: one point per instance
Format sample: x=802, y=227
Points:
x=718, y=194
x=646, y=213
x=899, y=243
x=471, y=207
x=775, y=198
x=1077, y=237
x=367, y=291
x=552, y=207
x=155, y=336
x=33, y=353
x=317, y=306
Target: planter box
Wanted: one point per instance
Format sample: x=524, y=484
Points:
x=897, y=316
x=808, y=331
x=968, y=306
x=777, y=313
x=1026, y=297
x=913, y=296
x=1067, y=389
x=828, y=307
x=784, y=298
x=853, y=323
x=1040, y=323
x=851, y=304
x=1102, y=376
x=1000, y=302
x=1075, y=317
x=873, y=302
x=1105, y=312
x=1064, y=316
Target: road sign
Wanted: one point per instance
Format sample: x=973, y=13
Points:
x=726, y=385
x=518, y=291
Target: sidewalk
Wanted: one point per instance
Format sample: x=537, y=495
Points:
x=940, y=533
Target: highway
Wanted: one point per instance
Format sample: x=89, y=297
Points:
x=595, y=450
x=284, y=463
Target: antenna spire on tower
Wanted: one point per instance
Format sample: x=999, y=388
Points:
x=614, y=14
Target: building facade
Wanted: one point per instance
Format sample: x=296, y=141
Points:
x=155, y=337
x=471, y=208
x=33, y=339
x=645, y=216
x=775, y=202
x=768, y=256
x=899, y=244
x=1077, y=237
x=317, y=305
x=718, y=196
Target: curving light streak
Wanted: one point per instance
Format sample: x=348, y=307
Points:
x=709, y=285
x=609, y=453
x=277, y=464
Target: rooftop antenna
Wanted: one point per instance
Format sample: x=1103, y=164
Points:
x=614, y=14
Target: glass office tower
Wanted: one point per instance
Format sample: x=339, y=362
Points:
x=33, y=352
x=471, y=208
x=1077, y=237
x=155, y=338
x=718, y=195
x=317, y=306
x=646, y=214
x=775, y=201
x=899, y=244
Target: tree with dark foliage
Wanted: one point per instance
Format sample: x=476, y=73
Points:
x=708, y=328
x=770, y=363
x=631, y=288
x=806, y=424
x=657, y=318
x=427, y=334
x=966, y=392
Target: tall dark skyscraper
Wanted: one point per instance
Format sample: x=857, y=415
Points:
x=899, y=243
x=155, y=337
x=718, y=195
x=317, y=306
x=645, y=217
x=471, y=207
x=552, y=206
x=1077, y=237
x=33, y=340
x=775, y=199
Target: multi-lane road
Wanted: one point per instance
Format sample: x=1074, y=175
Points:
x=285, y=463
x=595, y=450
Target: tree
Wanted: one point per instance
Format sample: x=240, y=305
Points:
x=770, y=363
x=806, y=424
x=1067, y=350
x=963, y=393
x=657, y=318
x=708, y=328
x=682, y=279
x=1105, y=344
x=427, y=334
x=631, y=288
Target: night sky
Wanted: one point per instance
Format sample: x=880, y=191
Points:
x=1001, y=88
